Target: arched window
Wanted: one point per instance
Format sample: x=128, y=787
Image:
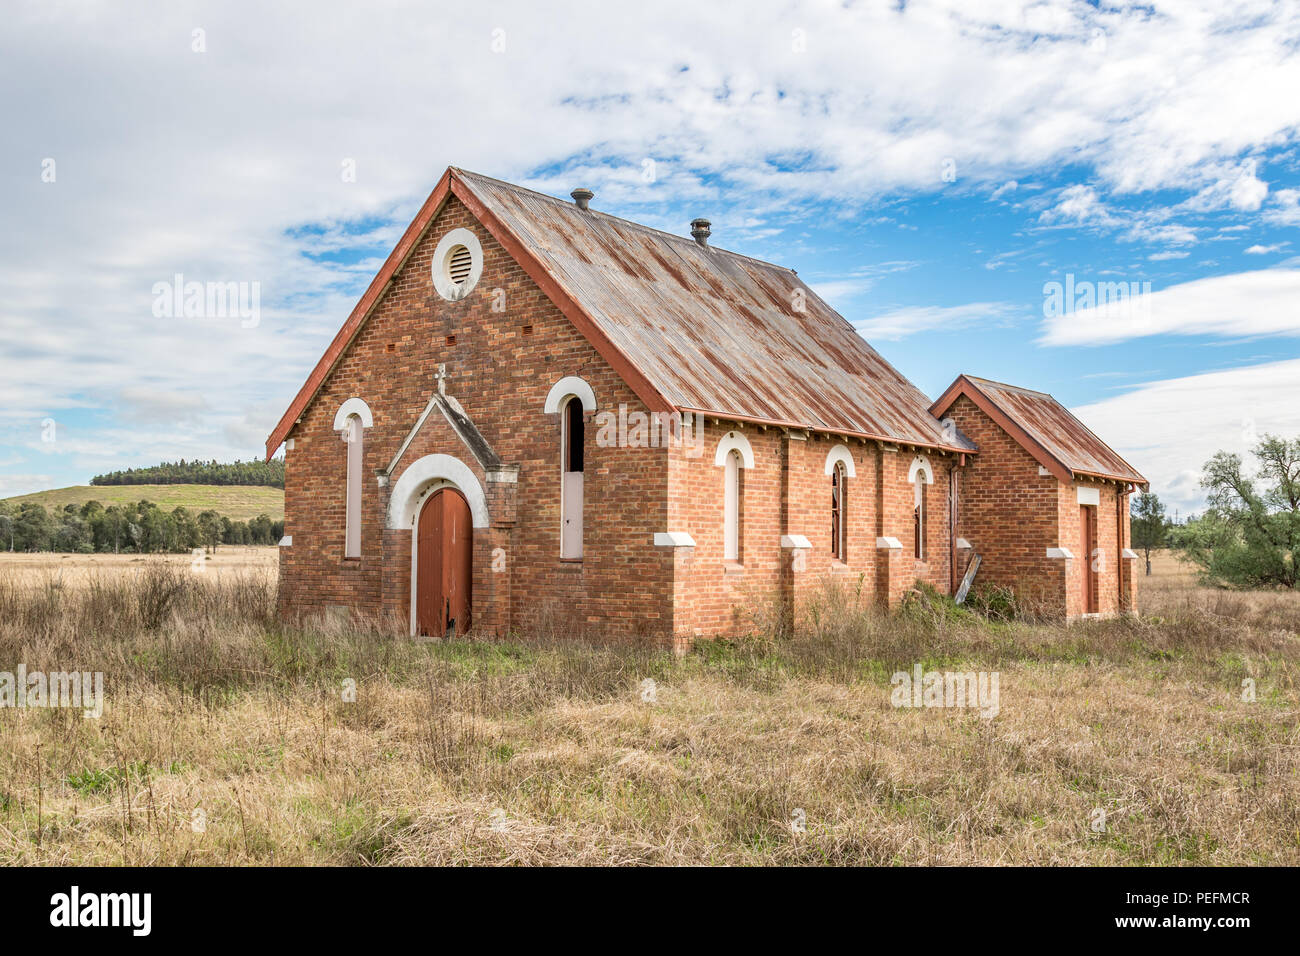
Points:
x=733, y=455
x=351, y=421
x=733, y=478
x=839, y=488
x=920, y=474
x=353, y=433
x=572, y=439
x=919, y=516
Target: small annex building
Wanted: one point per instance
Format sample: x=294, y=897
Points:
x=539, y=416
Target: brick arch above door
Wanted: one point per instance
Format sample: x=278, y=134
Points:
x=423, y=472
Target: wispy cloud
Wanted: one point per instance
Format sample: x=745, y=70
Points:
x=1169, y=429
x=908, y=321
x=1242, y=304
x=842, y=289
x=21, y=484
x=1009, y=186
x=1237, y=188
x=1285, y=208
x=1081, y=207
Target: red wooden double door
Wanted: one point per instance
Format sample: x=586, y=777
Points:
x=444, y=542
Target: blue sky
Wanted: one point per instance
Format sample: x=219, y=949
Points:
x=928, y=167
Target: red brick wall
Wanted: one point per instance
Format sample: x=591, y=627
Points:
x=1114, y=592
x=1011, y=515
x=1007, y=511
x=809, y=514
x=787, y=492
x=501, y=377
x=714, y=598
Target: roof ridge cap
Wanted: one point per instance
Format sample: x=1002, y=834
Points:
x=630, y=222
x=975, y=379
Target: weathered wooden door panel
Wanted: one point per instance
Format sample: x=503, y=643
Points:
x=1088, y=547
x=571, y=533
x=444, y=565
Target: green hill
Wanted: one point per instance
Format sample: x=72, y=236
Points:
x=236, y=502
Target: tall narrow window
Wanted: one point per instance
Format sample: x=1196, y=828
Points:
x=731, y=501
x=352, y=434
x=838, y=489
x=572, y=436
x=919, y=519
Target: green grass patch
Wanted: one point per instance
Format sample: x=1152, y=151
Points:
x=236, y=502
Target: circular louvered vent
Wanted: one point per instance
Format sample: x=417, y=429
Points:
x=457, y=264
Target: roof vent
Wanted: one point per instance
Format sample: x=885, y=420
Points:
x=459, y=264
x=700, y=231
x=582, y=196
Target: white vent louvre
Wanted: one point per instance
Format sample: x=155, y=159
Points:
x=459, y=264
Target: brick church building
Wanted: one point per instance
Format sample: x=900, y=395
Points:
x=542, y=416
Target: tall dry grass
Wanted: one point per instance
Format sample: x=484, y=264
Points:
x=230, y=738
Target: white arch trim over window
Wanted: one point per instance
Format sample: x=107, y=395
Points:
x=442, y=280
x=351, y=421
x=425, y=472
x=734, y=441
x=837, y=454
x=353, y=406
x=921, y=465
x=570, y=385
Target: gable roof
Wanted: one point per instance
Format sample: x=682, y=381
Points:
x=689, y=328
x=461, y=424
x=1044, y=427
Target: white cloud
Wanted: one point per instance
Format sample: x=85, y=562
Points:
x=17, y=484
x=1238, y=188
x=1079, y=206
x=841, y=290
x=152, y=405
x=1285, y=209
x=1258, y=250
x=1171, y=234
x=1169, y=429
x=904, y=322
x=1009, y=186
x=1244, y=303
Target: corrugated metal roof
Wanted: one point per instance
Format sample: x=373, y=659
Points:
x=713, y=330
x=1050, y=425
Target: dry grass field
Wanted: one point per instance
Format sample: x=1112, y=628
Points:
x=42, y=569
x=227, y=738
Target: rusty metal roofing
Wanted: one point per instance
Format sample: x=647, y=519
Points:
x=712, y=330
x=1055, y=436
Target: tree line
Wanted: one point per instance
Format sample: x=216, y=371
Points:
x=1249, y=536
x=140, y=528
x=269, y=474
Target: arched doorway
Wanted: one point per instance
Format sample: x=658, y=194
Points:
x=443, y=566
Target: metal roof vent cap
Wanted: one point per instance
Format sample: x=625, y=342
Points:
x=700, y=231
x=582, y=197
